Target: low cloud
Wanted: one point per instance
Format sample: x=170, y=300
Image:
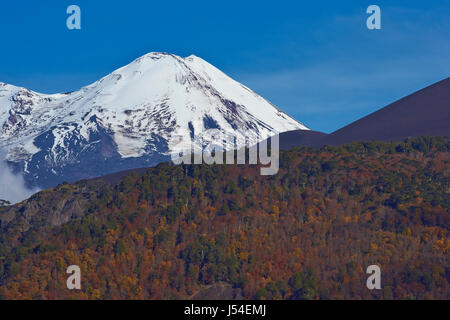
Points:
x=12, y=186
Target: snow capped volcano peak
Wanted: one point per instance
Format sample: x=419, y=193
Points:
x=135, y=116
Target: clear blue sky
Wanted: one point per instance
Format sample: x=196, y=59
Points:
x=316, y=60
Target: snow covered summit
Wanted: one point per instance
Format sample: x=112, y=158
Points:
x=134, y=117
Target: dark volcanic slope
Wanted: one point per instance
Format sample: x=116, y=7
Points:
x=425, y=112
x=291, y=139
x=116, y=177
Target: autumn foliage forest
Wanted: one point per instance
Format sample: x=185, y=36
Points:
x=308, y=232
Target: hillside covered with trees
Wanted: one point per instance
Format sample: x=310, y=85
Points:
x=308, y=232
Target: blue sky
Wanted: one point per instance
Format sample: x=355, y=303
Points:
x=316, y=60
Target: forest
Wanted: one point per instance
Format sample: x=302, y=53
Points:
x=308, y=232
